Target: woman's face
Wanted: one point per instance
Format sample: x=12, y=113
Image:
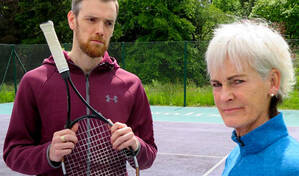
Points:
x=242, y=98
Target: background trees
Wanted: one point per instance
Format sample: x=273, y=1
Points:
x=33, y=12
x=8, y=31
x=146, y=20
x=283, y=12
x=155, y=20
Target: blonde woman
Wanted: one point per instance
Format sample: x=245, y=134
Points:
x=251, y=71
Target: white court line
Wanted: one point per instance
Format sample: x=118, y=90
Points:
x=189, y=155
x=215, y=166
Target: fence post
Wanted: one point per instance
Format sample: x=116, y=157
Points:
x=6, y=69
x=123, y=55
x=185, y=73
x=14, y=68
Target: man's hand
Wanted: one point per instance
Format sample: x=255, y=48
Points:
x=63, y=142
x=122, y=137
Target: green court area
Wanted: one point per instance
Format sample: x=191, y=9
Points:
x=206, y=115
x=186, y=114
x=6, y=108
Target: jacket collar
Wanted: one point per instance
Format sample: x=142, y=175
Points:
x=261, y=137
x=108, y=63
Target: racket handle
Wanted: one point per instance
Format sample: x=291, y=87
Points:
x=54, y=46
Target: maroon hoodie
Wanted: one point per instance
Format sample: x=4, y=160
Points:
x=40, y=109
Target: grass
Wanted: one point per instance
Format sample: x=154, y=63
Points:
x=292, y=102
x=7, y=93
x=173, y=95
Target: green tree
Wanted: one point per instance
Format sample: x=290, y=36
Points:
x=240, y=8
x=165, y=61
x=34, y=12
x=206, y=17
x=283, y=12
x=8, y=10
x=247, y=6
x=228, y=6
x=167, y=21
x=155, y=20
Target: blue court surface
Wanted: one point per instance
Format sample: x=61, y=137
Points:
x=192, y=141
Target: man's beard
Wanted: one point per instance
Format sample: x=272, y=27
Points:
x=91, y=49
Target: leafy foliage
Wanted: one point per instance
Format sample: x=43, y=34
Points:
x=155, y=20
x=8, y=10
x=144, y=20
x=205, y=18
x=284, y=12
x=228, y=6
x=166, y=61
x=240, y=8
x=34, y=12
x=7, y=93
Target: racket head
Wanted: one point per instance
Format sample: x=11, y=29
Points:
x=93, y=154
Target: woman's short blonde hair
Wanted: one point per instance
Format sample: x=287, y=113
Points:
x=253, y=43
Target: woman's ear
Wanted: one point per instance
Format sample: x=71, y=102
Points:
x=274, y=81
x=71, y=20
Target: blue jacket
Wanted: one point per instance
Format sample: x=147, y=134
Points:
x=266, y=151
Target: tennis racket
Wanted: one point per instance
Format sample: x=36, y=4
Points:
x=93, y=154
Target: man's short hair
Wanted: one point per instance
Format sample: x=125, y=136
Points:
x=76, y=5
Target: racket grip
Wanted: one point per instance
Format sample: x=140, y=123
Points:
x=54, y=46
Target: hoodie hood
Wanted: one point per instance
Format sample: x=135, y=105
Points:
x=107, y=63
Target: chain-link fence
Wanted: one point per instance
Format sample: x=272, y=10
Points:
x=179, y=62
x=167, y=62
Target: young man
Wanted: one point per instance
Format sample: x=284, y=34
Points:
x=36, y=140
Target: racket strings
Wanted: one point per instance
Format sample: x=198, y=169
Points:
x=93, y=154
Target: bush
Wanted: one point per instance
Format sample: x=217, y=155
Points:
x=7, y=93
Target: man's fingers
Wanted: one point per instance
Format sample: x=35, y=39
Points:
x=64, y=146
x=119, y=131
x=68, y=138
x=75, y=127
x=63, y=142
x=117, y=126
x=59, y=150
x=123, y=137
x=62, y=138
x=65, y=132
x=123, y=141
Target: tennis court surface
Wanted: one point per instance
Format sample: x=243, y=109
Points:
x=191, y=141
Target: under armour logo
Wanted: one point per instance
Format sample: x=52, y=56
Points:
x=108, y=99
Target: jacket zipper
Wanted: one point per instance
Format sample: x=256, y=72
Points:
x=88, y=125
x=240, y=141
x=87, y=93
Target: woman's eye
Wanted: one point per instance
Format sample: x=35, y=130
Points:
x=91, y=19
x=215, y=84
x=238, y=81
